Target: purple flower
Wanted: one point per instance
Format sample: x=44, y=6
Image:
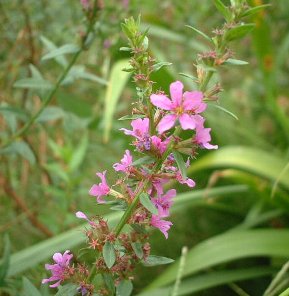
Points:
x=125, y=164
x=101, y=189
x=162, y=225
x=59, y=269
x=182, y=107
x=164, y=203
x=191, y=183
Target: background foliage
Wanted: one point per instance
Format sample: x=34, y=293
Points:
x=234, y=223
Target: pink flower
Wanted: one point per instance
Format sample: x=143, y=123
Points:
x=164, y=203
x=81, y=215
x=140, y=130
x=125, y=164
x=203, y=137
x=182, y=107
x=101, y=189
x=162, y=225
x=159, y=145
x=59, y=269
x=191, y=183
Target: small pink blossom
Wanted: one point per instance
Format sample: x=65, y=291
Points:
x=81, y=215
x=164, y=203
x=85, y=4
x=102, y=189
x=125, y=164
x=140, y=130
x=191, y=183
x=159, y=145
x=203, y=137
x=183, y=106
x=59, y=269
x=162, y=225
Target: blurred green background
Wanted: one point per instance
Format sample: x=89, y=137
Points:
x=235, y=222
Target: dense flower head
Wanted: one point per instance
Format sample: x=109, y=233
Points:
x=101, y=189
x=59, y=269
x=182, y=106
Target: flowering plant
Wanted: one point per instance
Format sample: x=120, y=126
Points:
x=167, y=131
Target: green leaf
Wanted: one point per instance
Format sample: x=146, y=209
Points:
x=224, y=110
x=224, y=10
x=35, y=72
x=108, y=253
x=116, y=84
x=5, y=260
x=50, y=113
x=159, y=65
x=189, y=76
x=181, y=164
x=28, y=288
x=200, y=33
x=230, y=246
x=144, y=160
x=33, y=83
x=79, y=153
x=153, y=260
x=69, y=289
x=239, y=31
x=235, y=62
x=256, y=161
x=147, y=203
x=65, y=49
x=210, y=280
x=21, y=148
x=108, y=279
x=254, y=10
x=125, y=49
x=124, y=288
x=131, y=117
x=137, y=248
x=50, y=46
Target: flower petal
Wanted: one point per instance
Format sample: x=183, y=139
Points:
x=187, y=121
x=176, y=90
x=161, y=101
x=166, y=123
x=192, y=100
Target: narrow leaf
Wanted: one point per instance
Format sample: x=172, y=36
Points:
x=235, y=62
x=189, y=76
x=29, y=289
x=116, y=84
x=79, y=154
x=147, y=203
x=224, y=110
x=50, y=113
x=239, y=32
x=181, y=164
x=65, y=49
x=200, y=33
x=158, y=66
x=153, y=260
x=33, y=83
x=108, y=254
x=131, y=117
x=5, y=260
x=143, y=160
x=254, y=10
x=124, y=288
x=224, y=10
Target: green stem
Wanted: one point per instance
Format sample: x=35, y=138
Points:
x=49, y=97
x=129, y=211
